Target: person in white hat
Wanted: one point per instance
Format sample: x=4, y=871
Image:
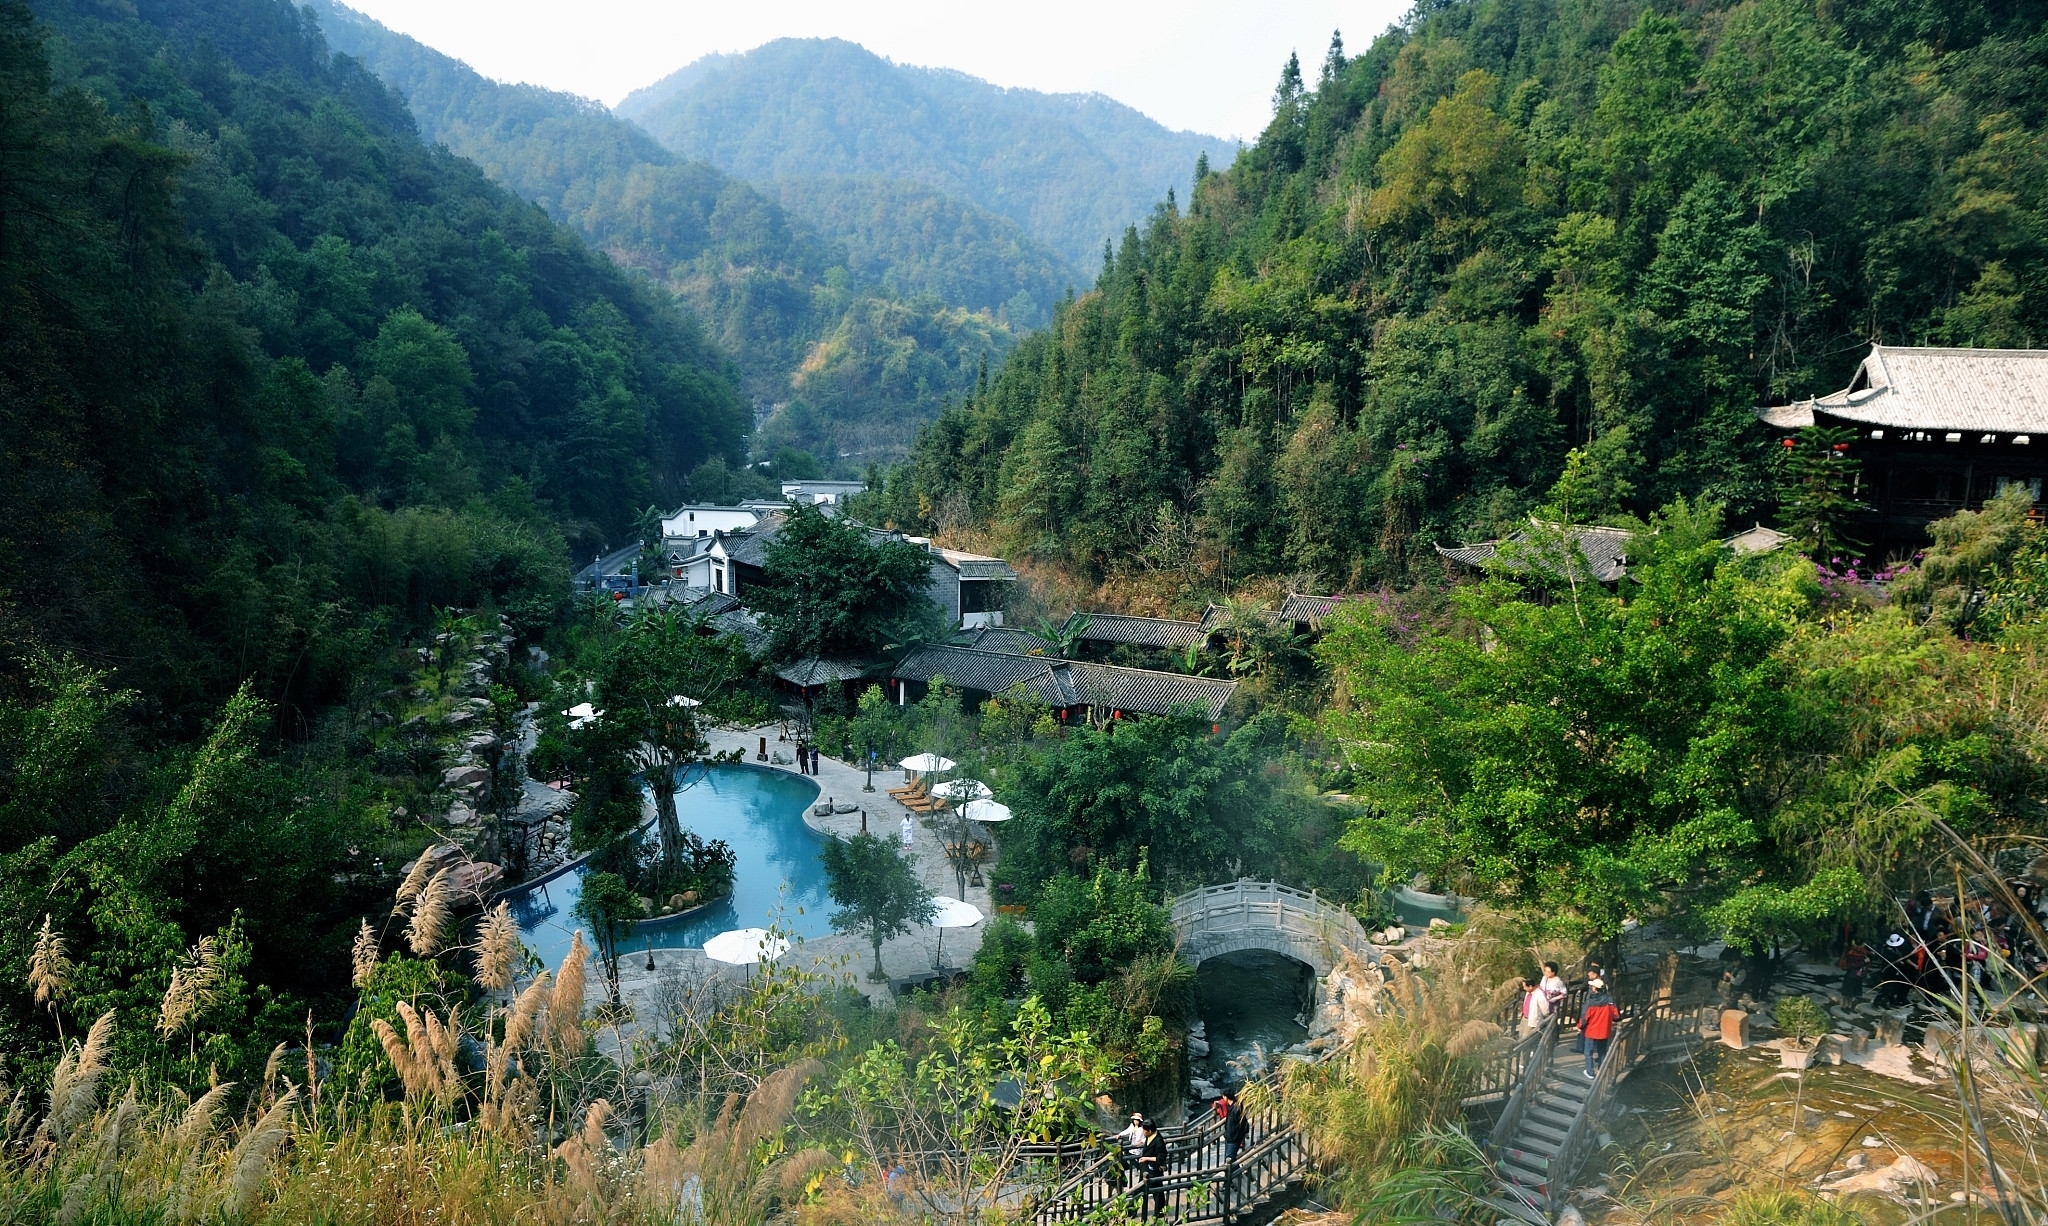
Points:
x=1891, y=990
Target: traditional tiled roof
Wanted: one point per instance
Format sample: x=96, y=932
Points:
x=750, y=548
x=1757, y=540
x=999, y=638
x=1310, y=609
x=703, y=601
x=1605, y=551
x=1068, y=683
x=1138, y=631
x=1996, y=391
x=991, y=672
x=975, y=565
x=740, y=622
x=813, y=670
x=1148, y=692
x=1218, y=616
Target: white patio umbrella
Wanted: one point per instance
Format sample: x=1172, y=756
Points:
x=581, y=714
x=684, y=700
x=745, y=947
x=987, y=812
x=963, y=789
x=951, y=913
x=927, y=762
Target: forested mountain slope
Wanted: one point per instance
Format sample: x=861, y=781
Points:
x=279, y=385
x=257, y=334
x=1512, y=229
x=1071, y=169
x=773, y=279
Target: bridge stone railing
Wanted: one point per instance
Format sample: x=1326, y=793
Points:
x=1221, y=919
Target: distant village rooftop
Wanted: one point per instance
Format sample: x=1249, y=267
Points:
x=1137, y=631
x=1107, y=689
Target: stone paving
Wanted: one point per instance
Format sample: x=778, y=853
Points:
x=846, y=954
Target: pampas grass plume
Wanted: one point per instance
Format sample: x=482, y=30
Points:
x=198, y=1118
x=497, y=949
x=192, y=988
x=250, y=1162
x=74, y=1089
x=415, y=881
x=49, y=969
x=519, y=1022
x=430, y=915
x=362, y=956
x=565, y=1006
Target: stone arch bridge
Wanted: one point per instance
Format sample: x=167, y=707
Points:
x=1221, y=919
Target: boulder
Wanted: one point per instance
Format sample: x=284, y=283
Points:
x=1901, y=1179
x=476, y=879
x=1197, y=1047
x=466, y=775
x=460, y=814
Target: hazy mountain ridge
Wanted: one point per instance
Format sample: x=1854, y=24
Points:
x=1073, y=169
x=772, y=284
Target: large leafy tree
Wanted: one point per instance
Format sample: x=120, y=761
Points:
x=832, y=589
x=1576, y=757
x=1169, y=789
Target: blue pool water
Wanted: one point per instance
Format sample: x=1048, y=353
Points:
x=778, y=876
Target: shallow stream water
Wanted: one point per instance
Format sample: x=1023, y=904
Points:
x=1250, y=997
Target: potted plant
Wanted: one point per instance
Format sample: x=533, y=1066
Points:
x=1804, y=1022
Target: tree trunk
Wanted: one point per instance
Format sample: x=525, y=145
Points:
x=666, y=823
x=878, y=974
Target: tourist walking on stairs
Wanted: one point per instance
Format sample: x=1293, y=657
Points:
x=1235, y=1127
x=1152, y=1165
x=1596, y=1023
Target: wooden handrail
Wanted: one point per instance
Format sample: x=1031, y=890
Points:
x=1533, y=1073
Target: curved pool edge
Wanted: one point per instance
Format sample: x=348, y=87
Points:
x=560, y=870
x=651, y=929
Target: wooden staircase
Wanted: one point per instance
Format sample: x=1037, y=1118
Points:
x=1195, y=1184
x=1528, y=1158
x=1552, y=1120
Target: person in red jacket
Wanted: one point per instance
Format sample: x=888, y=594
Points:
x=1596, y=1023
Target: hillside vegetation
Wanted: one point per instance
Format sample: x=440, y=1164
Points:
x=1071, y=169
x=773, y=280
x=279, y=385
x=1511, y=231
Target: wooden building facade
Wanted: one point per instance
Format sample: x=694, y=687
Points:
x=1936, y=431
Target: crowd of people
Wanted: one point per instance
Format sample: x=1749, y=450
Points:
x=1943, y=946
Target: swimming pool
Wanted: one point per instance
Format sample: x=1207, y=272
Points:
x=760, y=812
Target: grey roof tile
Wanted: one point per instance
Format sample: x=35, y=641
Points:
x=1139, y=631
x=1999, y=391
x=1605, y=551
x=1067, y=683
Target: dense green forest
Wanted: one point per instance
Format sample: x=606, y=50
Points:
x=1071, y=169
x=278, y=384
x=803, y=281
x=1508, y=231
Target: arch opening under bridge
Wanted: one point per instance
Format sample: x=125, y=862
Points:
x=1223, y=919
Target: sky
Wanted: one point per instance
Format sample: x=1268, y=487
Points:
x=1207, y=66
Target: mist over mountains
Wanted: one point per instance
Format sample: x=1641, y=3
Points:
x=1072, y=169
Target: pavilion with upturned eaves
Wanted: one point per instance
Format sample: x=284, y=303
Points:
x=1937, y=431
